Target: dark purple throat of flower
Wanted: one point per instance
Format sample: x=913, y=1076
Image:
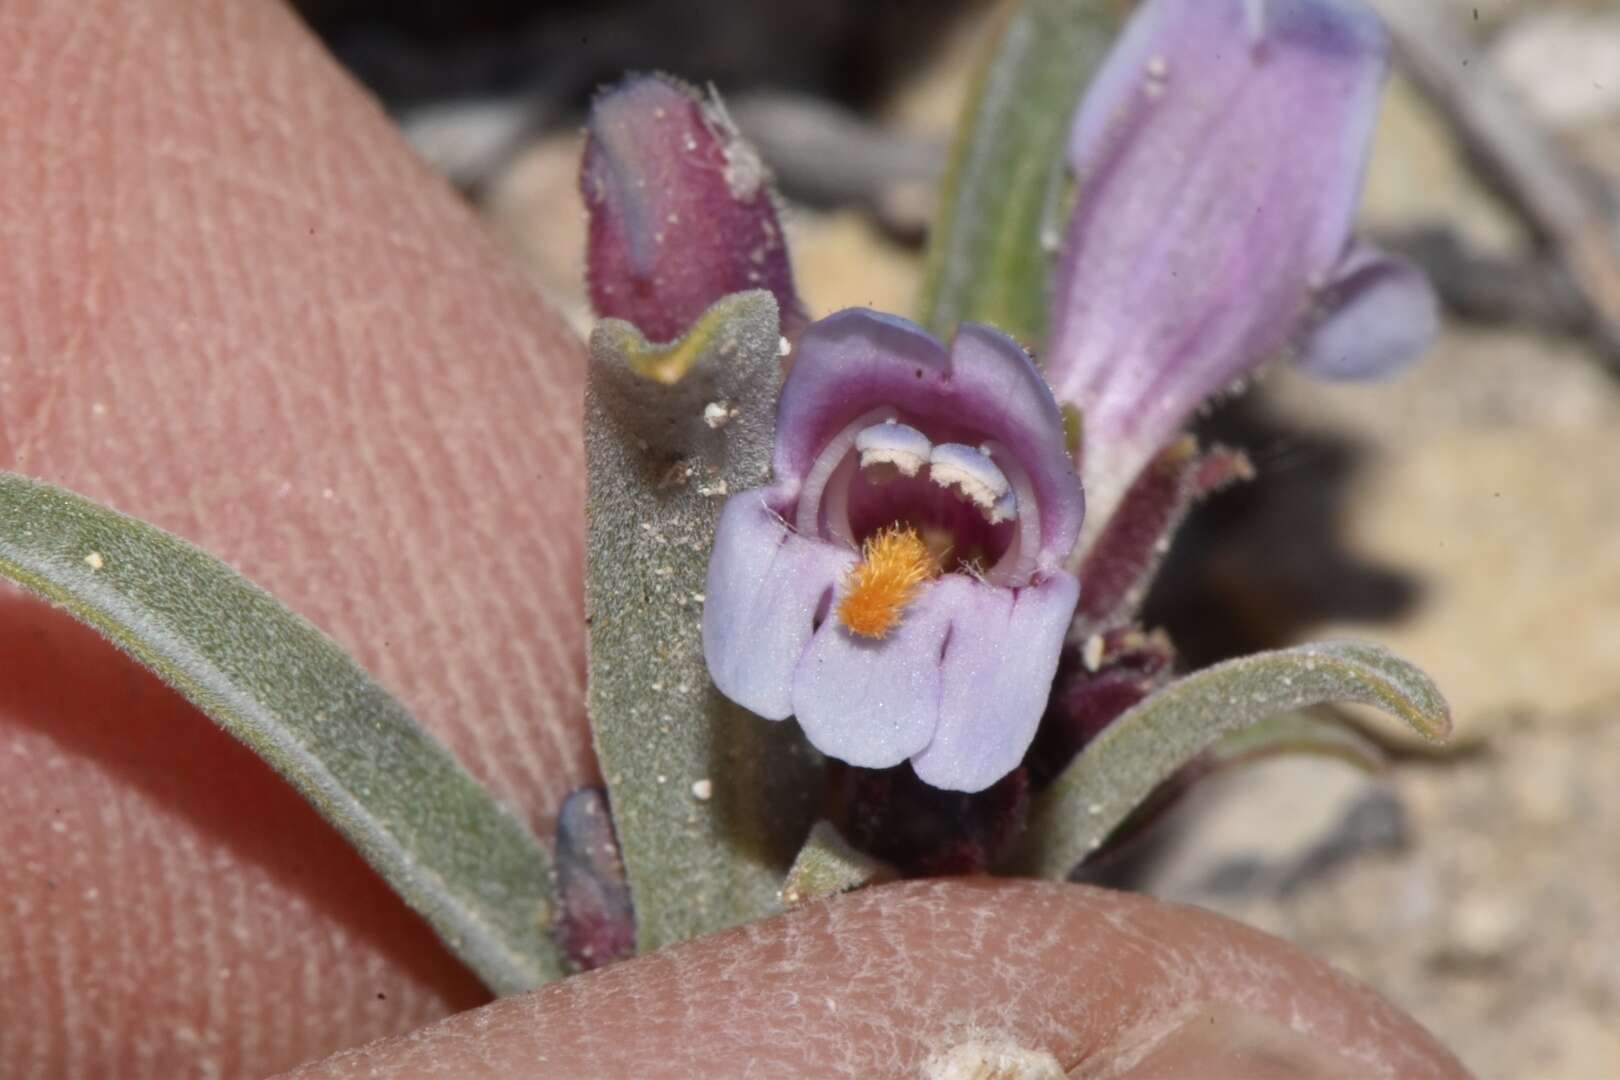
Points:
x=902, y=586
x=918, y=497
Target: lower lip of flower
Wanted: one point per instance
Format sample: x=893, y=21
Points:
x=918, y=498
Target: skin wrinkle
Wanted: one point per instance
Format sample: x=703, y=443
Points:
x=222, y=269
x=192, y=836
x=753, y=1001
x=199, y=199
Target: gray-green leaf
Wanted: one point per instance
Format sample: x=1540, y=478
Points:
x=1146, y=745
x=1001, y=205
x=709, y=802
x=290, y=693
x=1303, y=731
x=828, y=865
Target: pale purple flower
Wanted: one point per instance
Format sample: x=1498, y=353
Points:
x=878, y=425
x=1219, y=157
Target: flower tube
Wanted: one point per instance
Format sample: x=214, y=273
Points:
x=1219, y=158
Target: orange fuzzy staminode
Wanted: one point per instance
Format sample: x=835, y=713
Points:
x=894, y=564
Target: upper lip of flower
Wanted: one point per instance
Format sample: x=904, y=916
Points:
x=879, y=425
x=981, y=412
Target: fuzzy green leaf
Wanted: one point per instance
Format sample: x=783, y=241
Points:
x=291, y=694
x=1301, y=732
x=827, y=865
x=1146, y=745
x=1001, y=206
x=710, y=803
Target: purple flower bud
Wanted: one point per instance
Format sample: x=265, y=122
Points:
x=681, y=209
x=595, y=923
x=1219, y=156
x=901, y=587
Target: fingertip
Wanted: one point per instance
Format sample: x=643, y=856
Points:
x=893, y=981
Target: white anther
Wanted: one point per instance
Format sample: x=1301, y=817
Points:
x=971, y=472
x=896, y=444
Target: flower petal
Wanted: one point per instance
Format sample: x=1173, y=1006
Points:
x=845, y=364
x=992, y=367
x=681, y=211
x=874, y=702
x=986, y=386
x=1219, y=172
x=764, y=587
x=996, y=676
x=1377, y=316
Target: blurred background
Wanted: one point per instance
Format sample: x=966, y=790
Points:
x=1467, y=515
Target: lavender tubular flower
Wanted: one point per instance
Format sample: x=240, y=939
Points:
x=681, y=210
x=901, y=587
x=1219, y=157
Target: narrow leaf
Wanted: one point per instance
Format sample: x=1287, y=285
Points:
x=1001, y=206
x=291, y=694
x=828, y=865
x=710, y=803
x=1304, y=731
x=1300, y=732
x=1136, y=753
